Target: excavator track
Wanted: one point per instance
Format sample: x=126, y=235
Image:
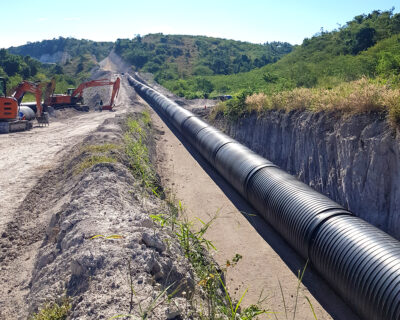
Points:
x=15, y=126
x=83, y=108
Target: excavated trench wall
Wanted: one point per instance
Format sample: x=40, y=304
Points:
x=354, y=160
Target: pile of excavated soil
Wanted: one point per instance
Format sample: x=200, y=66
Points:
x=101, y=247
x=93, y=96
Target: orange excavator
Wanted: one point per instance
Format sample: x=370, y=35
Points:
x=74, y=97
x=13, y=116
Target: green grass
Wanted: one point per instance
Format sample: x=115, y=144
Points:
x=95, y=154
x=135, y=142
x=53, y=311
x=101, y=148
x=93, y=160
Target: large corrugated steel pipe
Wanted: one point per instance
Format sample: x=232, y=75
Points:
x=361, y=262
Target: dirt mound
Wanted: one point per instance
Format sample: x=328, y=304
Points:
x=93, y=96
x=101, y=247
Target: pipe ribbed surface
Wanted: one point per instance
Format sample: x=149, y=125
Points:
x=361, y=262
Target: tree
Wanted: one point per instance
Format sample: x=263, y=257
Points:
x=388, y=64
x=364, y=39
x=79, y=67
x=11, y=65
x=58, y=69
x=205, y=86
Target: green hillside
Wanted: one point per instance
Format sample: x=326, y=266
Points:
x=354, y=69
x=72, y=47
x=366, y=46
x=171, y=57
x=15, y=68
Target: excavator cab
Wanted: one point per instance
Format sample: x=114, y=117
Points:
x=70, y=91
x=8, y=105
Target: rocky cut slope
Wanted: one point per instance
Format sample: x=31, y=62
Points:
x=353, y=160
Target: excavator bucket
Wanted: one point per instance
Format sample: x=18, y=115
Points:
x=43, y=120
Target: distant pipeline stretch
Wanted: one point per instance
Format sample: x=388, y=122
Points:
x=359, y=261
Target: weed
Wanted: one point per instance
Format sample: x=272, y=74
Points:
x=144, y=311
x=138, y=153
x=113, y=236
x=101, y=148
x=92, y=160
x=146, y=118
x=219, y=109
x=219, y=302
x=139, y=161
x=94, y=154
x=300, y=277
x=54, y=311
x=135, y=127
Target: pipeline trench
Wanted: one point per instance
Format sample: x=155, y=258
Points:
x=358, y=260
x=268, y=261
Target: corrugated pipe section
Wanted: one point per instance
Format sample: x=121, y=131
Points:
x=359, y=261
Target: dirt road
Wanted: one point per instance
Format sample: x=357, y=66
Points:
x=28, y=155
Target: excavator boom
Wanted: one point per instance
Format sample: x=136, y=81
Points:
x=26, y=86
x=63, y=100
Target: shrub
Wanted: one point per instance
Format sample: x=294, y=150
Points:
x=237, y=106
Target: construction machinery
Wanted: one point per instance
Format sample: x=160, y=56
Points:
x=74, y=97
x=13, y=116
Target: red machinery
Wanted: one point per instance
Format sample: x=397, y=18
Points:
x=74, y=98
x=13, y=116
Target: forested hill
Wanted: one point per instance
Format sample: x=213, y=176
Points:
x=178, y=56
x=367, y=46
x=63, y=49
x=15, y=68
x=69, y=60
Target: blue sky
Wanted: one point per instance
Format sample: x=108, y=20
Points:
x=251, y=20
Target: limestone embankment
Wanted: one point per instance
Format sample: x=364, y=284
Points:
x=355, y=160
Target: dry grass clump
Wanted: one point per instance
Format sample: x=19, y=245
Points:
x=257, y=102
x=349, y=98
